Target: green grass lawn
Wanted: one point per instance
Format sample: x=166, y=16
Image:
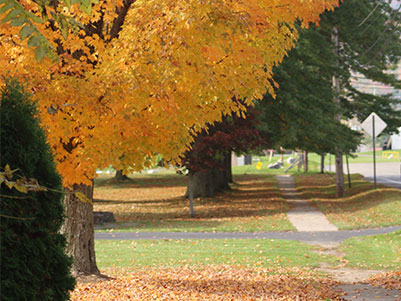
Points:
x=362, y=207
x=374, y=252
x=314, y=166
x=370, y=252
x=363, y=157
x=314, y=162
x=156, y=203
x=164, y=253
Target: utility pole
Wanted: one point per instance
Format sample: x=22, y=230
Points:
x=336, y=86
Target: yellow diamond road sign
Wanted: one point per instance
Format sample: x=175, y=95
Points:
x=367, y=124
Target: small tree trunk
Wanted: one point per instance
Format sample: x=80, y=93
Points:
x=322, y=163
x=191, y=199
x=120, y=176
x=306, y=162
x=336, y=99
x=79, y=232
x=201, y=183
x=301, y=161
x=339, y=175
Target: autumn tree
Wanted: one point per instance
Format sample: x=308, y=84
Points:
x=209, y=159
x=132, y=78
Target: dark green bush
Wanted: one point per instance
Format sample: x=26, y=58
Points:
x=33, y=263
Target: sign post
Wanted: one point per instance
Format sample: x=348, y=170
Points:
x=374, y=152
x=373, y=125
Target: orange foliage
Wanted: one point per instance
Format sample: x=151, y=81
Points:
x=208, y=283
x=117, y=95
x=388, y=280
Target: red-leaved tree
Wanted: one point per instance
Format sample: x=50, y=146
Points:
x=209, y=160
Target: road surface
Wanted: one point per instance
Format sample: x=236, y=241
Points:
x=388, y=174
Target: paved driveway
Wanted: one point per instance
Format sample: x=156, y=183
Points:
x=319, y=238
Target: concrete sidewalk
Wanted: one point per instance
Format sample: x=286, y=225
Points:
x=302, y=215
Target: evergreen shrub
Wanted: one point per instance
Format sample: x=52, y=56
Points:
x=33, y=263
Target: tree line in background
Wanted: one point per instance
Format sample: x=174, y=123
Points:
x=359, y=38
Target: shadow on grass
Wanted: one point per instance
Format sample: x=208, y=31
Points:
x=363, y=201
x=162, y=225
x=150, y=181
x=246, y=205
x=211, y=213
x=171, y=201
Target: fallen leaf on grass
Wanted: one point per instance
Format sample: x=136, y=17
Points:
x=389, y=280
x=220, y=282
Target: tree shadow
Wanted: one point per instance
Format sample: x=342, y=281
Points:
x=362, y=201
x=151, y=181
x=253, y=203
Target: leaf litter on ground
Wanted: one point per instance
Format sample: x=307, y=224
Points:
x=362, y=207
x=253, y=204
x=210, y=282
x=388, y=280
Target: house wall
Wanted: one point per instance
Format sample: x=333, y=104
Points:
x=396, y=140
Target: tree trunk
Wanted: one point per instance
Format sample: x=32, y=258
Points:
x=322, y=163
x=79, y=232
x=201, y=184
x=228, y=168
x=248, y=160
x=120, y=177
x=301, y=161
x=207, y=183
x=220, y=180
x=336, y=99
x=306, y=162
x=339, y=175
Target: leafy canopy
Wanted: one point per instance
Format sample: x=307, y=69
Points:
x=121, y=80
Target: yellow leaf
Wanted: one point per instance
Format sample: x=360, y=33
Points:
x=2, y=177
x=20, y=186
x=8, y=172
x=83, y=198
x=10, y=184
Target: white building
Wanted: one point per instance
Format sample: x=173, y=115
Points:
x=396, y=140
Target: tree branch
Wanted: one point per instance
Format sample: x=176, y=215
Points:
x=119, y=21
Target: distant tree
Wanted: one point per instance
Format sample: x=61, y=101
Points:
x=359, y=38
x=301, y=114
